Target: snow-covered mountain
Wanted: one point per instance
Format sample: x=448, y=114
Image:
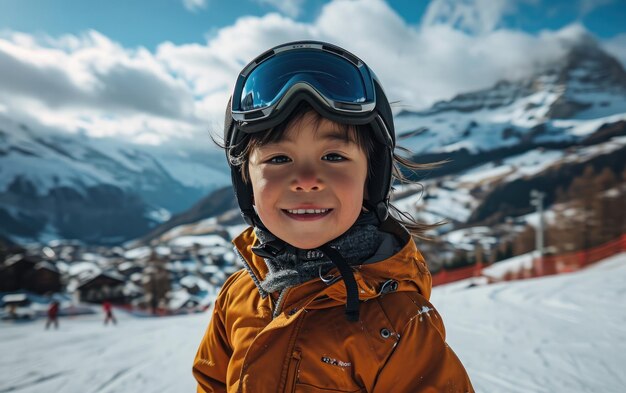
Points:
x=502, y=142
x=71, y=186
x=565, y=102
x=567, y=113
x=571, y=113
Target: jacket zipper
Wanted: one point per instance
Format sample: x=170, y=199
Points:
x=294, y=359
x=292, y=372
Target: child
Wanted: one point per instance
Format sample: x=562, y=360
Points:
x=334, y=294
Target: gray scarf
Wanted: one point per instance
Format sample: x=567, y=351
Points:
x=294, y=266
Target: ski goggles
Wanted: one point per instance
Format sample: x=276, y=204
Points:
x=333, y=77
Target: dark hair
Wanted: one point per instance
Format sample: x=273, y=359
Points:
x=359, y=134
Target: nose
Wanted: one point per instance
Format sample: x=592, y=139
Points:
x=306, y=179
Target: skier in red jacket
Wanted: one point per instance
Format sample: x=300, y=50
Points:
x=53, y=311
x=108, y=310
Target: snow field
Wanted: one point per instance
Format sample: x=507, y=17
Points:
x=553, y=334
x=139, y=354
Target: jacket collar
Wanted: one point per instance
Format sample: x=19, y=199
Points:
x=407, y=268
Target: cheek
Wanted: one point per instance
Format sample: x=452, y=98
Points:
x=264, y=182
x=256, y=182
x=365, y=192
x=264, y=186
x=351, y=186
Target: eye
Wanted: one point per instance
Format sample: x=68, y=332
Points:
x=333, y=157
x=279, y=160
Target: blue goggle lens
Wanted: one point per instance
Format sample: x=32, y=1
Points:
x=332, y=76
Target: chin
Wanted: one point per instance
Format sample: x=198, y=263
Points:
x=306, y=241
x=306, y=245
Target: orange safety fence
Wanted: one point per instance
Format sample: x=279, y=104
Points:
x=569, y=262
x=445, y=276
x=548, y=265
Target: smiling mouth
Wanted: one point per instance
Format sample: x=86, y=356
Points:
x=306, y=214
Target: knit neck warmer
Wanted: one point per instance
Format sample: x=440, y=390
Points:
x=295, y=266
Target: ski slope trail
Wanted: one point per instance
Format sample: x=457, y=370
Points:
x=83, y=355
x=555, y=334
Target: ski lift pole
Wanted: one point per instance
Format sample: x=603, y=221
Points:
x=537, y=201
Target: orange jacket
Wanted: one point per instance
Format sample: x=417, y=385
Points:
x=398, y=345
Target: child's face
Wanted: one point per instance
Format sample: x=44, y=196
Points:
x=308, y=169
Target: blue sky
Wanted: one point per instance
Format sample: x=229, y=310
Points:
x=158, y=71
x=150, y=22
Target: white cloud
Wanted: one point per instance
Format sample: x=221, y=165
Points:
x=419, y=65
x=90, y=72
x=91, y=84
x=213, y=67
x=476, y=17
x=195, y=5
x=585, y=7
x=292, y=8
x=470, y=16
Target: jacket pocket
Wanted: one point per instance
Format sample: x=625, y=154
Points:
x=304, y=388
x=292, y=371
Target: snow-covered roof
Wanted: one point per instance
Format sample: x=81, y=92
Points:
x=126, y=266
x=230, y=269
x=80, y=268
x=108, y=274
x=203, y=240
x=14, y=297
x=191, y=281
x=178, y=298
x=13, y=259
x=162, y=250
x=48, y=266
x=229, y=256
x=209, y=269
x=136, y=277
x=131, y=288
x=138, y=253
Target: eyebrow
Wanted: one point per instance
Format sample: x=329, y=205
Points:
x=332, y=135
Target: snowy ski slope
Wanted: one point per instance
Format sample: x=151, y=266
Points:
x=555, y=334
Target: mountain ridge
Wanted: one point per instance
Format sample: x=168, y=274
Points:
x=51, y=182
x=566, y=104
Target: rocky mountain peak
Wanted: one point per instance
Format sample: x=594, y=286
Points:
x=585, y=74
x=588, y=64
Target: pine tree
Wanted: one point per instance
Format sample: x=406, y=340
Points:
x=582, y=192
x=525, y=241
x=555, y=235
x=602, y=211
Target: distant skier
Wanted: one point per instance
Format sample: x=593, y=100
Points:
x=108, y=310
x=53, y=312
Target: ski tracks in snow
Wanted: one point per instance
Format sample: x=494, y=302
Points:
x=83, y=356
x=552, y=334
